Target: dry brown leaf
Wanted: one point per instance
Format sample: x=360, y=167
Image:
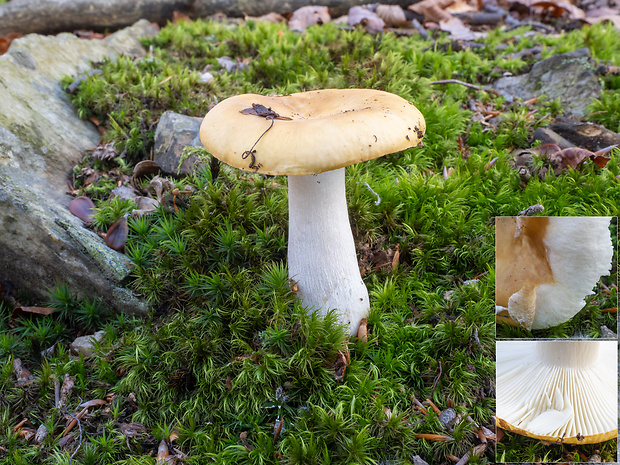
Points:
x=5, y=42
x=178, y=17
x=116, y=237
x=362, y=331
x=392, y=15
x=457, y=29
x=23, y=311
x=162, y=453
x=105, y=152
x=339, y=366
x=27, y=433
x=269, y=18
x=21, y=372
x=365, y=17
x=93, y=403
x=433, y=10
x=66, y=388
x=244, y=440
x=460, y=6
x=307, y=16
x=132, y=430
x=559, y=8
x=83, y=208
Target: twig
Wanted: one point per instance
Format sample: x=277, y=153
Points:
x=378, y=201
x=79, y=423
x=436, y=379
x=533, y=24
x=433, y=437
x=423, y=32
x=456, y=81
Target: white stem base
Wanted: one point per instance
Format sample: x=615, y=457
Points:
x=321, y=251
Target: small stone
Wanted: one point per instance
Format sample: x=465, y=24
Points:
x=448, y=417
x=175, y=132
x=85, y=345
x=417, y=460
x=41, y=434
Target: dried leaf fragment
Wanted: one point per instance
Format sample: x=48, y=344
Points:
x=116, y=237
x=360, y=15
x=362, y=332
x=83, y=207
x=307, y=16
x=392, y=15
x=339, y=366
x=105, y=152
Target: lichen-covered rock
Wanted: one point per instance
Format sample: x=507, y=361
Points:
x=41, y=139
x=568, y=76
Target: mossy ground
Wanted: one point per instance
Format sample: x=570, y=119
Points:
x=229, y=352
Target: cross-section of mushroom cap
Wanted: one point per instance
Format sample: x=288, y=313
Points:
x=546, y=266
x=310, y=132
x=558, y=391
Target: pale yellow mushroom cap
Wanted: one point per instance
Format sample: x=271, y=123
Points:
x=323, y=130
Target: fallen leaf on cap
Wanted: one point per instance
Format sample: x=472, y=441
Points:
x=307, y=16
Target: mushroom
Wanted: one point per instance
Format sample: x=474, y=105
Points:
x=546, y=266
x=559, y=391
x=311, y=137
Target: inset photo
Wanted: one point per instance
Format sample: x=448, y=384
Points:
x=556, y=277
x=556, y=401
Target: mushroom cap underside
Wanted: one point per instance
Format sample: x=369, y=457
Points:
x=558, y=391
x=310, y=132
x=546, y=266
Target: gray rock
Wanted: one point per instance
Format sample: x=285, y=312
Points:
x=568, y=76
x=547, y=136
x=175, y=132
x=417, y=460
x=85, y=345
x=41, y=139
x=448, y=417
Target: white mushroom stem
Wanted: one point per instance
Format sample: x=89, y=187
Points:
x=321, y=251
